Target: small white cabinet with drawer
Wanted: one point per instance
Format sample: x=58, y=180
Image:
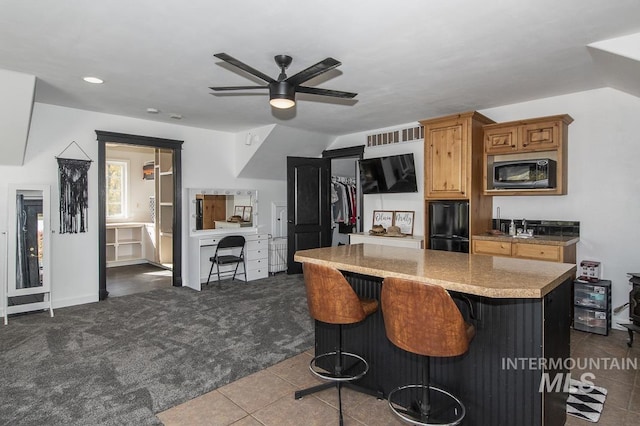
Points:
x=256, y=254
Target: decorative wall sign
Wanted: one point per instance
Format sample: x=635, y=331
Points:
x=404, y=220
x=383, y=217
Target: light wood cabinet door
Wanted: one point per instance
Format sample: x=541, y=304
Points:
x=495, y=248
x=540, y=136
x=501, y=140
x=537, y=252
x=447, y=160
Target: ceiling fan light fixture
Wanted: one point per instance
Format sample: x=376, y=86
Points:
x=282, y=103
x=282, y=95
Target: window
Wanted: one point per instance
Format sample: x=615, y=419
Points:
x=117, y=181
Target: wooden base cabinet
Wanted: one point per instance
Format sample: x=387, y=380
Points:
x=523, y=250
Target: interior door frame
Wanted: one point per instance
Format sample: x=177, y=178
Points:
x=356, y=152
x=105, y=137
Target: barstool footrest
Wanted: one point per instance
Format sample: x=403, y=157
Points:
x=405, y=402
x=339, y=376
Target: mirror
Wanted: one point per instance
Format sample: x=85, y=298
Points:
x=28, y=240
x=214, y=209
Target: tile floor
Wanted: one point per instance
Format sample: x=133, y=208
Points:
x=266, y=397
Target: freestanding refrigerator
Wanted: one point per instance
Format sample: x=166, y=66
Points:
x=449, y=226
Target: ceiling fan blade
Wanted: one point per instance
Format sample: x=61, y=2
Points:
x=325, y=92
x=233, y=61
x=313, y=71
x=218, y=89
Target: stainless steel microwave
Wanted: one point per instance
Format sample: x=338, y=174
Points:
x=524, y=174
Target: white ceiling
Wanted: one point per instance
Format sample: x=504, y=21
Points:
x=407, y=60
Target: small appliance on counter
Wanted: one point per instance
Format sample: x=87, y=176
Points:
x=449, y=226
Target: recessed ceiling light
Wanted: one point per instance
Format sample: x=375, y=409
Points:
x=176, y=116
x=93, y=80
x=153, y=110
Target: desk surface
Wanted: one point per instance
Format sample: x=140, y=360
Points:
x=482, y=275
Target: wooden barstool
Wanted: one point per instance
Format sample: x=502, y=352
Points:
x=332, y=300
x=423, y=319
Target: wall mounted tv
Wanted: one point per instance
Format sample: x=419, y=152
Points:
x=385, y=175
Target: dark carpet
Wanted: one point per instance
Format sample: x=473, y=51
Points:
x=120, y=361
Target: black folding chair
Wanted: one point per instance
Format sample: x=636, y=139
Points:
x=229, y=242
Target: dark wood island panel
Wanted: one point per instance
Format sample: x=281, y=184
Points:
x=524, y=330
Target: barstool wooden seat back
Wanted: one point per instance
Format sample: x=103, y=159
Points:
x=423, y=319
x=332, y=300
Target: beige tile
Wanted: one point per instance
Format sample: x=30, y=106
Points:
x=618, y=394
x=308, y=411
x=612, y=416
x=257, y=390
x=211, y=409
x=375, y=412
x=247, y=421
x=574, y=421
x=295, y=370
x=350, y=398
x=613, y=345
x=634, y=403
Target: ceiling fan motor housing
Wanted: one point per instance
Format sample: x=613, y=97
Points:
x=282, y=90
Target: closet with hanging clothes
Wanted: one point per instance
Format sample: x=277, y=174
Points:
x=344, y=208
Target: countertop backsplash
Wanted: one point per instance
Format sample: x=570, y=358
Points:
x=560, y=228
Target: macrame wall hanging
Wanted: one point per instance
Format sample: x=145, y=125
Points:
x=74, y=192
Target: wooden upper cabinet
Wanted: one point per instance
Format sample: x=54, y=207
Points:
x=534, y=138
x=447, y=159
x=536, y=134
x=449, y=152
x=501, y=140
x=541, y=136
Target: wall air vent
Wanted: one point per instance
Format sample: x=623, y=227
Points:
x=403, y=135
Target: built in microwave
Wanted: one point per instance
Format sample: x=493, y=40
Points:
x=524, y=174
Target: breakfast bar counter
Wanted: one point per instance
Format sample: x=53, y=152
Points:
x=521, y=311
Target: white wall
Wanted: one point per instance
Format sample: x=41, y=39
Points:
x=410, y=201
x=207, y=158
x=604, y=187
x=17, y=91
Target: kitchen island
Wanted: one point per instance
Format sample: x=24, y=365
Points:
x=522, y=312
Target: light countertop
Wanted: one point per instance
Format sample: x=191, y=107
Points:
x=548, y=240
x=482, y=275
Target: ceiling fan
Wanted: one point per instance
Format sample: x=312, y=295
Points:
x=282, y=91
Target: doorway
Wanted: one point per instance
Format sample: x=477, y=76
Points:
x=309, y=202
x=122, y=241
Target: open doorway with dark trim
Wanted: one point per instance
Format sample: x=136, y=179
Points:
x=171, y=149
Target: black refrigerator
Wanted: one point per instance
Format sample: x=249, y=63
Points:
x=449, y=226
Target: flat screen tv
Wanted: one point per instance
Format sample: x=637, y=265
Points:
x=385, y=175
